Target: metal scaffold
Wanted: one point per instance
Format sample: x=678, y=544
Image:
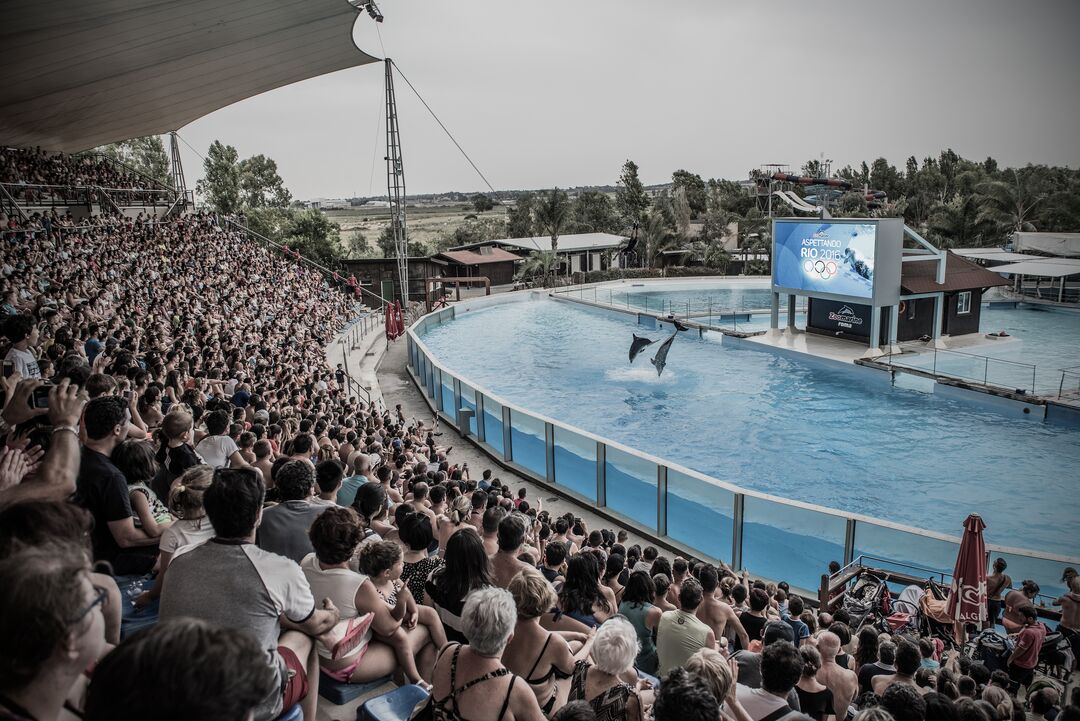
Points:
x=179, y=184
x=395, y=186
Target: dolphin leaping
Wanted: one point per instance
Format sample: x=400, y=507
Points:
x=638, y=345
x=660, y=359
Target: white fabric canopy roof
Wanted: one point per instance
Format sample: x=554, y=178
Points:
x=567, y=243
x=1061, y=244
x=993, y=254
x=1043, y=267
x=78, y=74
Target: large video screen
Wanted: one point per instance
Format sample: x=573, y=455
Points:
x=825, y=257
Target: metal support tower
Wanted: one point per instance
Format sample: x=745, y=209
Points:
x=177, y=167
x=395, y=185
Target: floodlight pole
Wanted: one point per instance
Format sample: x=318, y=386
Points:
x=395, y=185
x=177, y=167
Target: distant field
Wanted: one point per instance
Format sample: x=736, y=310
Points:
x=425, y=222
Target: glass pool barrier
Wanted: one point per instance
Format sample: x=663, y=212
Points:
x=772, y=537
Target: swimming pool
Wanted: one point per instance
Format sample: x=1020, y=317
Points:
x=1041, y=343
x=837, y=437
x=1046, y=338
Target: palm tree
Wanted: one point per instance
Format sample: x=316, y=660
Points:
x=656, y=236
x=537, y=265
x=551, y=215
x=1011, y=203
x=961, y=222
x=754, y=231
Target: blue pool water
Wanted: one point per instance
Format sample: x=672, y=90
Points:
x=825, y=435
x=1049, y=340
x=1042, y=343
x=698, y=298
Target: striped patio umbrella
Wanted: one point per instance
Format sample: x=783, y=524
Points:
x=967, y=597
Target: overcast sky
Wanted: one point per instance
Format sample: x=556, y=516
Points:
x=562, y=92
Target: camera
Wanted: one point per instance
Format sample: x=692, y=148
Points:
x=40, y=397
x=9, y=368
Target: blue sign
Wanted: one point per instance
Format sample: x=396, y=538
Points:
x=823, y=257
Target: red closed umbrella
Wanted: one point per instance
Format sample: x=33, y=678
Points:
x=391, y=326
x=399, y=322
x=967, y=597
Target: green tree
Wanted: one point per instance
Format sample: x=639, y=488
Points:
x=357, y=245
x=415, y=248
x=593, y=212
x=1061, y=212
x=656, y=237
x=631, y=200
x=730, y=197
x=960, y=223
x=681, y=210
x=537, y=267
x=664, y=205
x=261, y=185
x=145, y=155
x=852, y=204
x=552, y=215
x=717, y=257
x=482, y=202
x=754, y=230
x=313, y=234
x=274, y=223
x=220, y=185
x=1011, y=202
x=886, y=177
x=474, y=230
x=717, y=223
x=813, y=168
x=695, y=190
x=386, y=242
x=519, y=222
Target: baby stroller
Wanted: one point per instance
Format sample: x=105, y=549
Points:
x=1056, y=657
x=865, y=600
x=934, y=620
x=905, y=612
x=922, y=613
x=990, y=648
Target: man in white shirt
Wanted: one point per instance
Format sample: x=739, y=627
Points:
x=231, y=582
x=22, y=331
x=217, y=449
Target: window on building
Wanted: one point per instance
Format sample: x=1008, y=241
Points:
x=963, y=302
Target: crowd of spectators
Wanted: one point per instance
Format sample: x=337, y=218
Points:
x=33, y=175
x=179, y=456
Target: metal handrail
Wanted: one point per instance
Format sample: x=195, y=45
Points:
x=986, y=366
x=317, y=266
x=14, y=203
x=1065, y=372
x=133, y=171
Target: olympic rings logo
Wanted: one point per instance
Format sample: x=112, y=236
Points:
x=821, y=268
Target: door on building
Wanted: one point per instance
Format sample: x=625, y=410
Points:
x=386, y=290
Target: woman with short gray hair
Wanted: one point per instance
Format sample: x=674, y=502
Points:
x=610, y=685
x=469, y=677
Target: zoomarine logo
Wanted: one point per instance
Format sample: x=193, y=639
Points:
x=845, y=315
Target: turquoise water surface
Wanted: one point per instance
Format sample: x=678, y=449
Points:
x=821, y=434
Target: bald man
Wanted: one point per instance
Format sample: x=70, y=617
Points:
x=420, y=503
x=843, y=682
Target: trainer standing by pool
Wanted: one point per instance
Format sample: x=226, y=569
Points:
x=996, y=582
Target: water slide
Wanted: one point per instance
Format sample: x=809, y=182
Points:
x=810, y=180
x=790, y=198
